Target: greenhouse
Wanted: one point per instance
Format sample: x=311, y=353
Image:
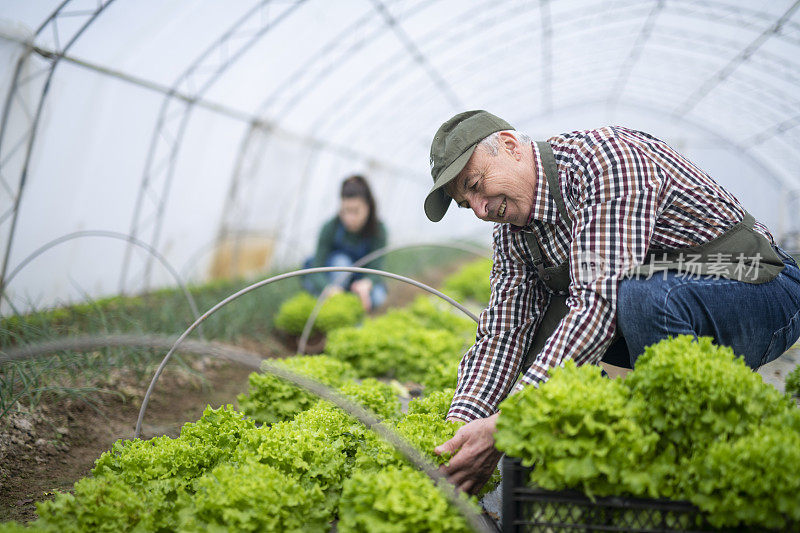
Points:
x=237, y=294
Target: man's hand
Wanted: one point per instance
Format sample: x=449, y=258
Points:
x=475, y=456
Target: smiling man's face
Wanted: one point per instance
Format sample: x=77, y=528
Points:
x=498, y=188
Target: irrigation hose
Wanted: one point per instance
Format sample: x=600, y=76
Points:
x=254, y=361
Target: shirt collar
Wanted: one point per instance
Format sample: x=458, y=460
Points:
x=544, y=205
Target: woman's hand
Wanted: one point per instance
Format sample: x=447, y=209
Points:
x=362, y=288
x=475, y=456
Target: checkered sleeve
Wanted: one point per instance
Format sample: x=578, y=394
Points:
x=488, y=370
x=615, y=199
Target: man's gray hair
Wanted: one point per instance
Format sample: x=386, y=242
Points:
x=492, y=143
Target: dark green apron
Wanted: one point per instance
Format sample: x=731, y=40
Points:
x=739, y=239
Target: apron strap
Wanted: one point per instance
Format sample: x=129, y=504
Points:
x=551, y=173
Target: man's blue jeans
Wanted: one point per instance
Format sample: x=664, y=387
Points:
x=759, y=322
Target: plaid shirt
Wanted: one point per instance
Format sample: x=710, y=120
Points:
x=628, y=193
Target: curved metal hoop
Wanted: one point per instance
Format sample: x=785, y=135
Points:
x=235, y=42
x=301, y=344
x=112, y=235
x=254, y=361
x=35, y=119
x=262, y=283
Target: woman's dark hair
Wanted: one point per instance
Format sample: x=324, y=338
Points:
x=356, y=186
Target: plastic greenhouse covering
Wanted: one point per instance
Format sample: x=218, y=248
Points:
x=215, y=134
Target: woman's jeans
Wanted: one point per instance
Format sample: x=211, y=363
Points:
x=759, y=322
x=344, y=279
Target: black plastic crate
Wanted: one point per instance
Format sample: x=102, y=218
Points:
x=531, y=509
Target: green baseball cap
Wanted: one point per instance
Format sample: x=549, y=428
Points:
x=452, y=146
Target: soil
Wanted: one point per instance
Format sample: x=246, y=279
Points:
x=53, y=446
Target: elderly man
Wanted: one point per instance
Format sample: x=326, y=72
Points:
x=605, y=241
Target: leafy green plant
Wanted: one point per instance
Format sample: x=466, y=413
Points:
x=424, y=431
x=580, y=430
x=337, y=311
x=436, y=403
x=792, y=383
x=271, y=399
x=104, y=505
x=695, y=392
x=391, y=346
x=252, y=497
x=16, y=527
x=750, y=480
x=395, y=499
x=470, y=282
x=316, y=448
x=440, y=375
x=200, y=447
x=378, y=397
x=691, y=422
x=434, y=313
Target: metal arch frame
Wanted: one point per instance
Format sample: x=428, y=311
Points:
x=419, y=57
x=712, y=14
x=547, y=56
x=237, y=200
x=703, y=90
x=743, y=15
x=368, y=80
x=752, y=99
x=375, y=86
x=377, y=254
x=32, y=130
x=768, y=63
x=109, y=234
x=636, y=51
x=158, y=174
x=214, y=107
x=644, y=106
x=326, y=72
x=759, y=102
x=306, y=76
x=717, y=4
x=781, y=127
x=390, y=62
x=295, y=206
x=708, y=4
x=176, y=142
x=233, y=209
x=484, y=52
x=489, y=55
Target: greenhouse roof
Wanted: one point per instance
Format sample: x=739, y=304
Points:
x=194, y=126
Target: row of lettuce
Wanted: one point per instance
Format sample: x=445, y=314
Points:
x=691, y=422
x=287, y=461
